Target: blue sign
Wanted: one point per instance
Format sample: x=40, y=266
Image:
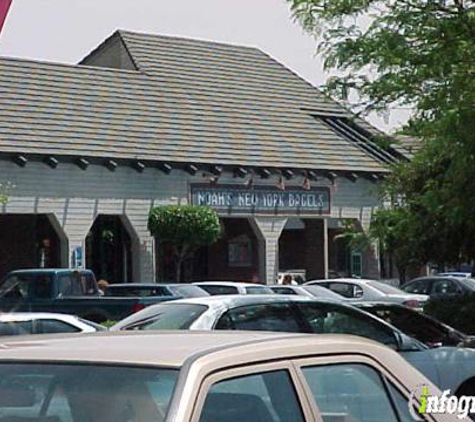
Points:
x=77, y=258
x=262, y=199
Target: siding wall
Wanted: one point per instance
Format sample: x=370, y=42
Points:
x=75, y=197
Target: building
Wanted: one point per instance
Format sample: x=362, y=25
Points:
x=148, y=120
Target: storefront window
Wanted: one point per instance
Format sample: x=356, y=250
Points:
x=240, y=252
x=356, y=264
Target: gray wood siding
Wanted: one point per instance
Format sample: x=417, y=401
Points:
x=76, y=197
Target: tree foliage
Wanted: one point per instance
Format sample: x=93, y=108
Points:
x=419, y=54
x=186, y=227
x=4, y=191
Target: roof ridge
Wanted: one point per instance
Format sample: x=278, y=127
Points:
x=190, y=38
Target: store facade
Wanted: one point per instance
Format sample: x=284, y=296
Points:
x=147, y=120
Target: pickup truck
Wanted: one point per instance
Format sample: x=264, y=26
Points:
x=66, y=291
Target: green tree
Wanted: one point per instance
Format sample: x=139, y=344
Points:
x=421, y=54
x=4, y=192
x=186, y=227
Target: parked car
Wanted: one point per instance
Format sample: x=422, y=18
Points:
x=448, y=367
x=422, y=327
x=207, y=377
x=371, y=290
x=312, y=291
x=455, y=274
x=65, y=291
x=21, y=323
x=439, y=286
x=233, y=288
x=169, y=290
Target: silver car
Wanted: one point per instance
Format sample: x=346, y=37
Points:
x=371, y=291
x=312, y=291
x=207, y=377
x=450, y=368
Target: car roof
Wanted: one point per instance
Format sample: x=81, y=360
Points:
x=174, y=348
x=50, y=270
x=228, y=283
x=25, y=316
x=238, y=300
x=438, y=277
x=147, y=285
x=345, y=280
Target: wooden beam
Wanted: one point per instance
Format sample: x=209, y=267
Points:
x=82, y=163
x=111, y=165
x=51, y=161
x=139, y=166
x=191, y=169
x=165, y=168
x=20, y=160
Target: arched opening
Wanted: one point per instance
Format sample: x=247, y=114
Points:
x=301, y=249
x=30, y=241
x=109, y=250
x=233, y=257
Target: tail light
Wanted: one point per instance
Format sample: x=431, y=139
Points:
x=137, y=307
x=412, y=303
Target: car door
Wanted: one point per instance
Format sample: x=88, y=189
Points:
x=357, y=388
x=269, y=392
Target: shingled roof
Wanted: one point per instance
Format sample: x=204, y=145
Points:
x=179, y=101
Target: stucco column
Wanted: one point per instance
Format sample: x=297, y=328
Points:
x=325, y=248
x=371, y=262
x=143, y=244
x=268, y=231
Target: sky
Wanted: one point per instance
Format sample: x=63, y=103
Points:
x=66, y=30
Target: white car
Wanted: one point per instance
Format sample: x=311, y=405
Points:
x=450, y=368
x=207, y=377
x=371, y=291
x=312, y=291
x=233, y=288
x=21, y=323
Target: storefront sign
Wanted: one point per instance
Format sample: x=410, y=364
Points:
x=266, y=200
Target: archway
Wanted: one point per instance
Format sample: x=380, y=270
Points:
x=30, y=241
x=109, y=249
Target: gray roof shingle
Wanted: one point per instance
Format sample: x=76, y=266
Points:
x=189, y=101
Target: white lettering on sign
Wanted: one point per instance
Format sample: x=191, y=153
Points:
x=264, y=199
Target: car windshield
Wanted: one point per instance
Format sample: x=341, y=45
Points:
x=416, y=324
x=172, y=316
x=322, y=292
x=258, y=290
x=469, y=283
x=188, y=291
x=92, y=393
x=386, y=288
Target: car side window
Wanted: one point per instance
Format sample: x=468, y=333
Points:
x=269, y=317
x=264, y=397
x=348, y=290
x=15, y=328
x=418, y=286
x=444, y=287
x=354, y=391
x=283, y=291
x=220, y=290
x=51, y=326
x=330, y=319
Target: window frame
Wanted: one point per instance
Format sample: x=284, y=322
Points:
x=308, y=411
x=388, y=378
